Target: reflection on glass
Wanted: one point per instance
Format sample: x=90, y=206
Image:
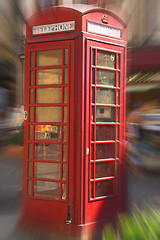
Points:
x=48, y=114
x=31, y=78
x=105, y=96
x=65, y=75
x=30, y=132
x=106, y=59
x=104, y=114
x=106, y=78
x=31, y=114
x=65, y=134
x=29, y=169
x=47, y=152
x=63, y=191
x=65, y=56
x=49, y=58
x=30, y=150
x=64, y=172
x=64, y=153
x=105, y=132
x=32, y=59
x=105, y=151
x=65, y=95
x=31, y=96
x=104, y=188
x=105, y=169
x=29, y=188
x=48, y=95
x=47, y=132
x=65, y=115
x=47, y=189
x=49, y=76
x=47, y=170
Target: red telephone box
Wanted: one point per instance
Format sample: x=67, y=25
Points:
x=74, y=128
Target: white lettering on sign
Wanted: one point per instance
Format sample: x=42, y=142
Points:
x=51, y=28
x=104, y=30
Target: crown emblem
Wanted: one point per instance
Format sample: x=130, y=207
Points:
x=105, y=18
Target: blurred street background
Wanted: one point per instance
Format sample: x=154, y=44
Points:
x=142, y=90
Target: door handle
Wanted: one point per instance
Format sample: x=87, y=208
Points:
x=69, y=219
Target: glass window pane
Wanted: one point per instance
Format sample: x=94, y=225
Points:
x=93, y=57
x=117, y=150
x=92, y=190
x=65, y=95
x=31, y=96
x=105, y=114
x=104, y=188
x=48, y=95
x=65, y=75
x=49, y=76
x=118, y=79
x=93, y=76
x=117, y=132
x=30, y=150
x=66, y=56
x=118, y=61
x=105, y=169
x=118, y=97
x=47, y=132
x=47, y=189
x=106, y=78
x=30, y=132
x=105, y=96
x=47, y=170
x=31, y=78
x=65, y=134
x=92, y=151
x=118, y=117
x=31, y=114
x=92, y=133
x=92, y=114
x=117, y=168
x=47, y=152
x=48, y=114
x=29, y=188
x=93, y=95
x=49, y=57
x=64, y=172
x=106, y=59
x=65, y=114
x=64, y=153
x=32, y=59
x=105, y=151
x=63, y=191
x=30, y=169
x=92, y=170
x=105, y=132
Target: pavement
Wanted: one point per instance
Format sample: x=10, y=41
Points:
x=141, y=186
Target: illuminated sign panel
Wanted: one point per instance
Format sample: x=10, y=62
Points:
x=104, y=30
x=52, y=28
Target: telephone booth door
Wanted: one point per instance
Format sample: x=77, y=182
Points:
x=106, y=136
x=48, y=130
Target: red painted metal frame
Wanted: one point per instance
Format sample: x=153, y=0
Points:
x=30, y=199
x=98, y=209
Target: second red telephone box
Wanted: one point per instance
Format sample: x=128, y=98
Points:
x=74, y=134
